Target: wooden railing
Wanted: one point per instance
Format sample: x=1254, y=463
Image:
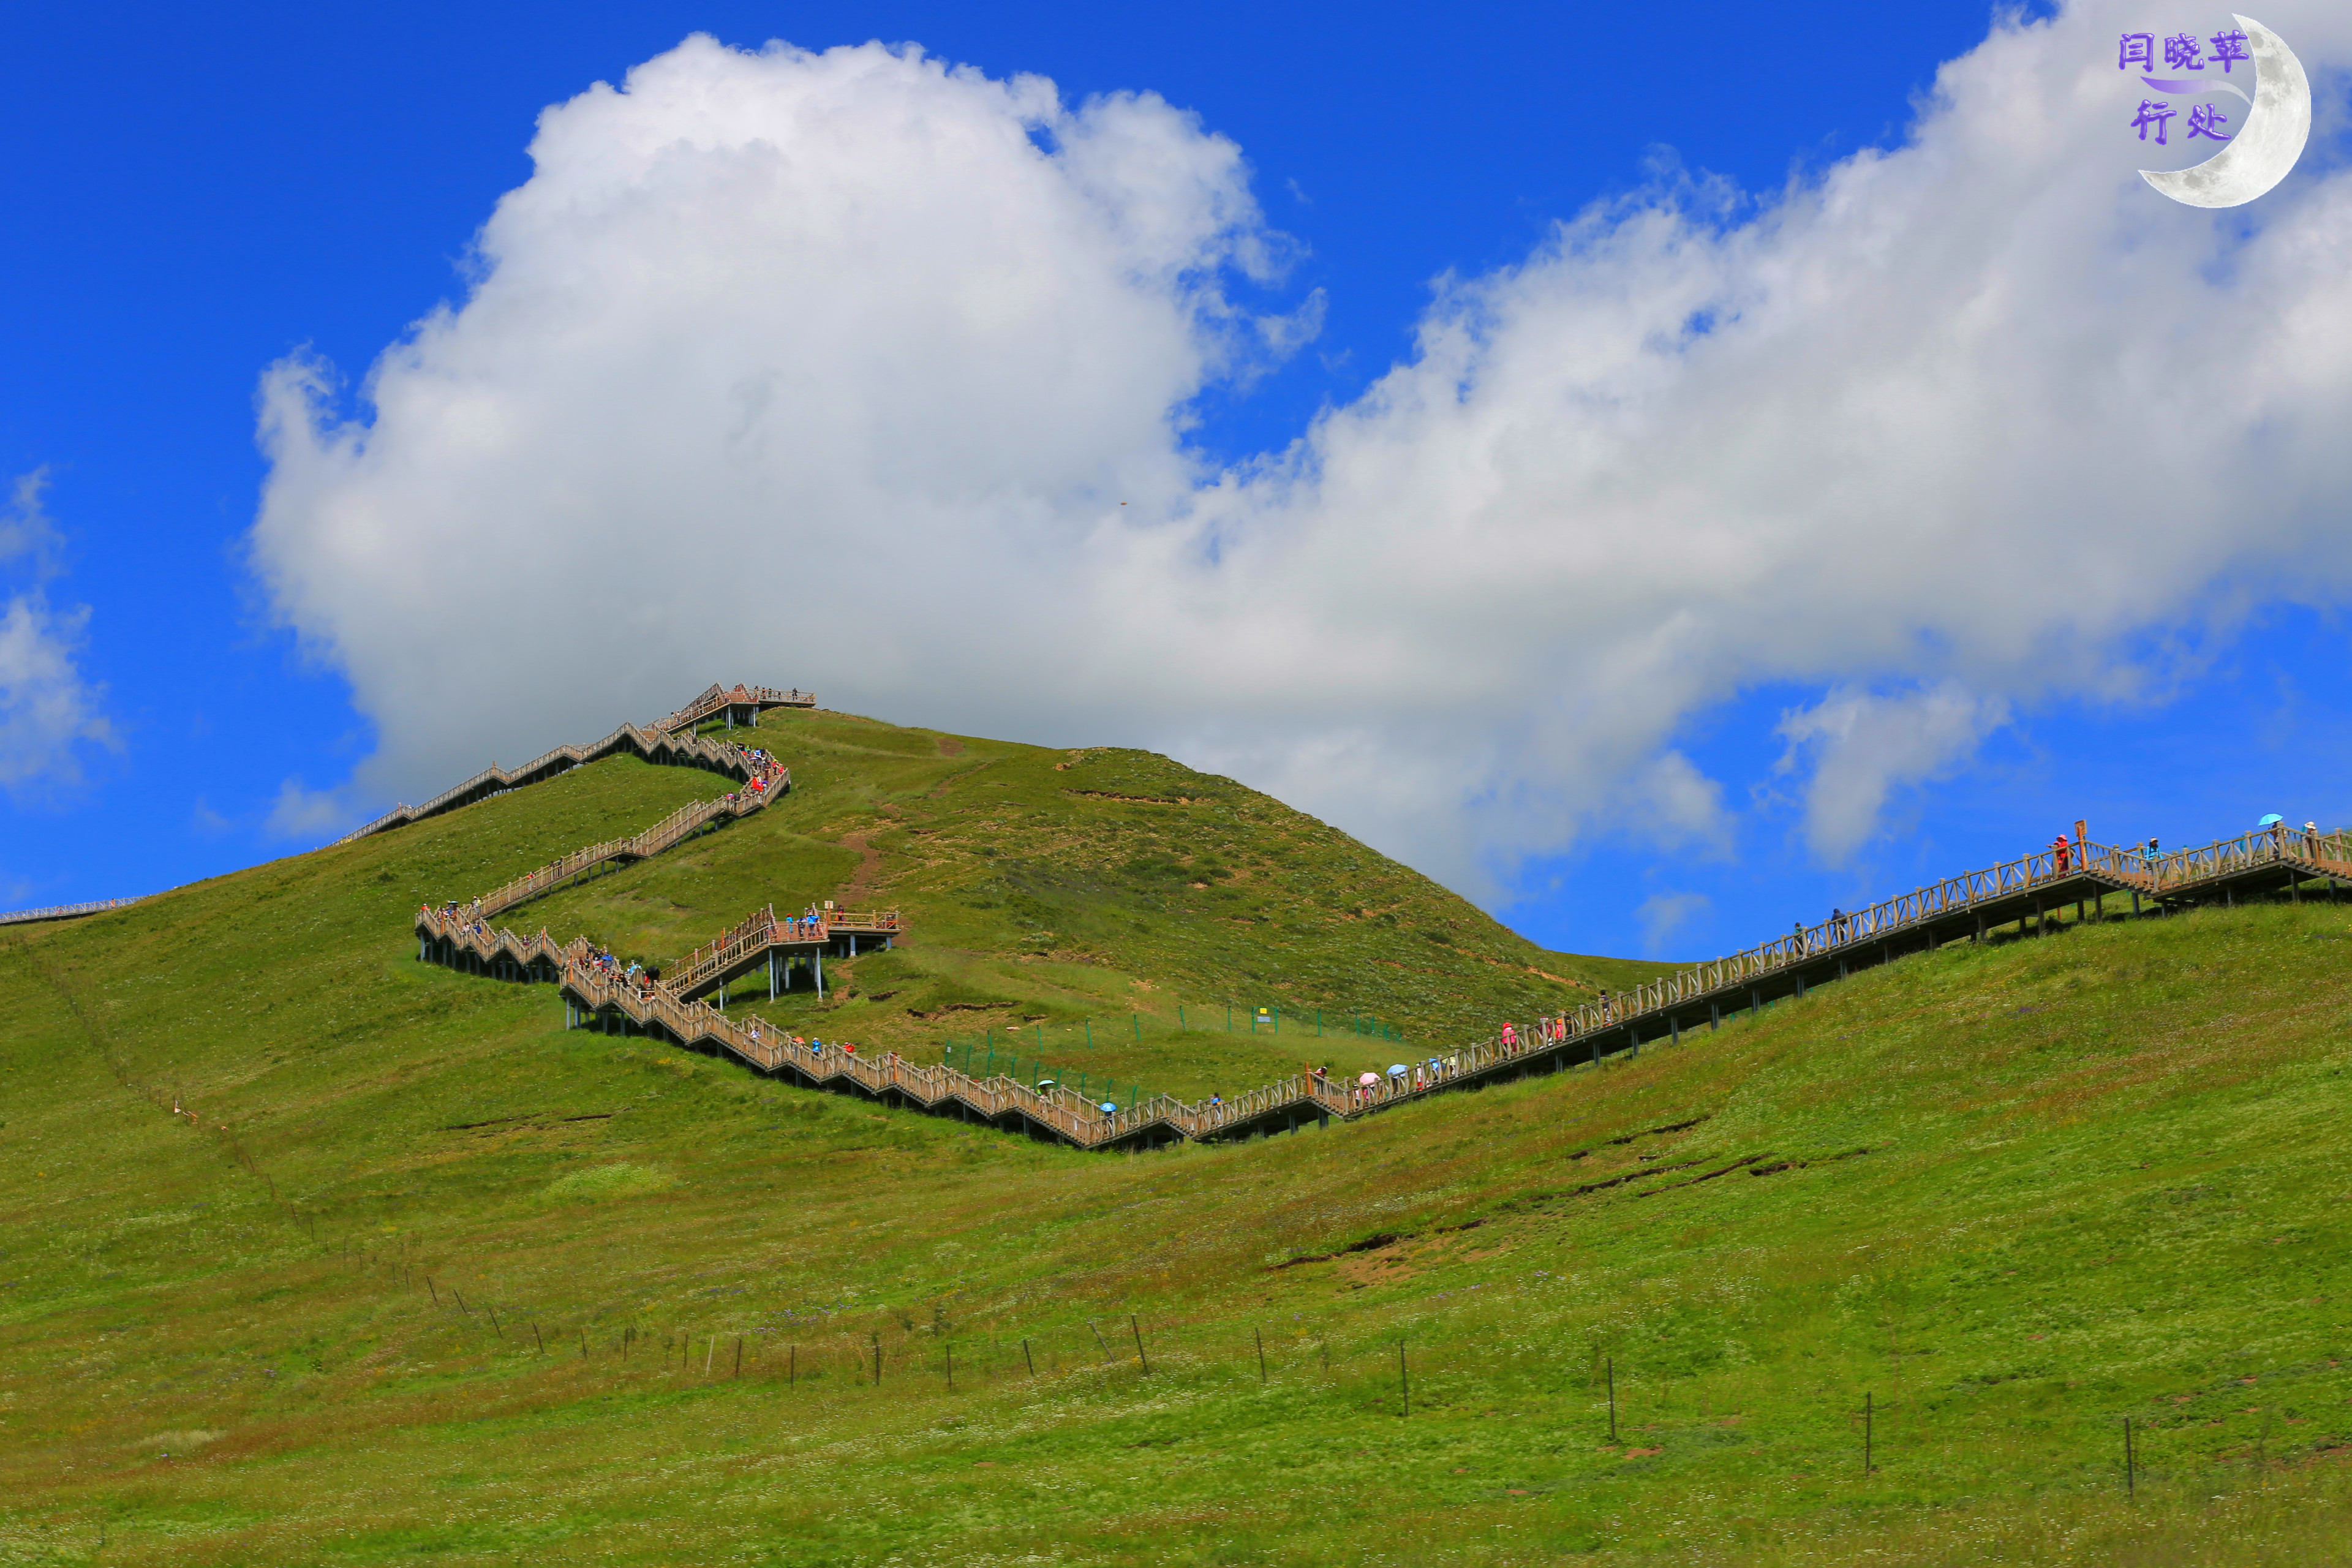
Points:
x=932, y=1085
x=739, y=696
x=762, y=929
x=653, y=741
x=2323, y=853
x=769, y=780
x=590, y=983
x=68, y=911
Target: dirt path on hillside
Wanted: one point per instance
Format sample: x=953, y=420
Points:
x=853, y=893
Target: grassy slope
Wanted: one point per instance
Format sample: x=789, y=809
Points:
x=2103, y=1179
x=1058, y=897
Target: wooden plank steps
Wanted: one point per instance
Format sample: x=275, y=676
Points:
x=2028, y=890
x=668, y=741
x=734, y=699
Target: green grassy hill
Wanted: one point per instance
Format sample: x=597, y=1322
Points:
x=1109, y=912
x=2013, y=1195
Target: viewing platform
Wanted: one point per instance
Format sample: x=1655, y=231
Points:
x=747, y=702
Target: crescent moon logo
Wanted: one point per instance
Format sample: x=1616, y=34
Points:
x=2266, y=148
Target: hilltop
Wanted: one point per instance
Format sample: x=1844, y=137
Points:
x=1106, y=908
x=416, y=1274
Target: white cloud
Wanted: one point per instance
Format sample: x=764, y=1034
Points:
x=300, y=812
x=1662, y=915
x=1863, y=746
x=835, y=369
x=47, y=709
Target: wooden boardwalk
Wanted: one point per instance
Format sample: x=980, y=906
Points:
x=669, y=740
x=68, y=911
x=727, y=701
x=2027, y=890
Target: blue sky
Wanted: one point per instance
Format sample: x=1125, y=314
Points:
x=198, y=198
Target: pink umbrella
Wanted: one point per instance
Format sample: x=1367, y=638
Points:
x=1369, y=1079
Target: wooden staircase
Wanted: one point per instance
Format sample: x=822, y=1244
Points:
x=1969, y=907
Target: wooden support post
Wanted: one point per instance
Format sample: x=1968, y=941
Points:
x=1714, y=1017
x=817, y=959
x=1675, y=1027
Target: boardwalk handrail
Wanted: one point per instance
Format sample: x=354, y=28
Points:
x=653, y=741
x=590, y=985
x=740, y=696
x=68, y=911
x=589, y=981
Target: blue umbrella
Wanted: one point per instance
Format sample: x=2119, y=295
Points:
x=1109, y=1107
x=2269, y=819
x=1399, y=1070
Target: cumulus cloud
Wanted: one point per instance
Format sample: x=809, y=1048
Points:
x=47, y=709
x=1863, y=745
x=835, y=368
x=300, y=812
x=1663, y=915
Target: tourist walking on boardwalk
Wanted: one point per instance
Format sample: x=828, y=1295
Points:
x=2058, y=850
